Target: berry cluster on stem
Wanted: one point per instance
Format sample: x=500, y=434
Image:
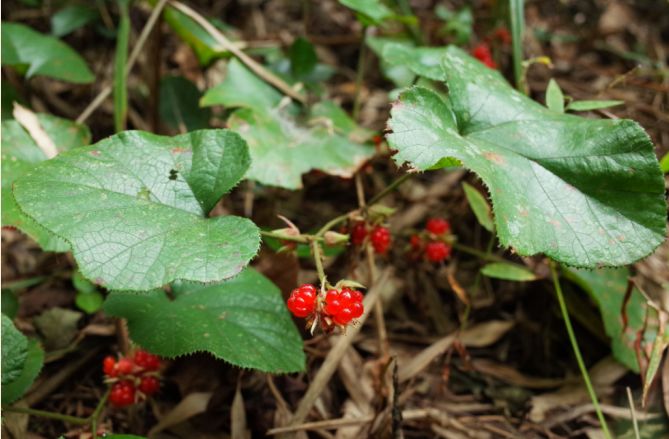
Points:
x=133, y=378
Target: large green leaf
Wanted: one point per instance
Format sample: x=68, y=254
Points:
x=14, y=350
x=32, y=366
x=20, y=154
x=372, y=11
x=36, y=54
x=585, y=192
x=607, y=287
x=243, y=321
x=283, y=149
x=134, y=206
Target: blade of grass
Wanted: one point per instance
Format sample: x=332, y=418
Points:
x=516, y=8
x=120, y=62
x=577, y=351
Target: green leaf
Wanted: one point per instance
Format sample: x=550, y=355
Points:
x=9, y=95
x=29, y=371
x=424, y=61
x=303, y=58
x=458, y=23
x=607, y=287
x=501, y=270
x=585, y=192
x=281, y=148
x=664, y=163
x=372, y=11
x=479, y=206
x=71, y=18
x=554, y=97
x=243, y=321
x=81, y=284
x=399, y=74
x=591, y=105
x=58, y=327
x=33, y=53
x=120, y=62
x=179, y=104
x=89, y=302
x=10, y=303
x=20, y=154
x=134, y=206
x=14, y=351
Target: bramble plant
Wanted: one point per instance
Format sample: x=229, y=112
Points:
x=138, y=211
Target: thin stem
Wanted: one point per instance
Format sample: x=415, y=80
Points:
x=414, y=28
x=318, y=259
x=96, y=413
x=577, y=351
x=360, y=74
x=50, y=415
x=333, y=222
x=302, y=239
x=475, y=252
x=390, y=188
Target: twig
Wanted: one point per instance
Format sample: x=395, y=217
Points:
x=577, y=351
x=256, y=67
x=139, y=45
x=635, y=423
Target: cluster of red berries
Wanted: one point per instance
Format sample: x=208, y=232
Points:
x=434, y=243
x=338, y=307
x=483, y=53
x=132, y=377
x=379, y=237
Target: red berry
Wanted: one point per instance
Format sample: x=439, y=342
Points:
x=503, y=35
x=437, y=251
x=343, y=306
x=124, y=366
x=358, y=233
x=302, y=300
x=122, y=394
x=149, y=385
x=147, y=361
x=438, y=226
x=482, y=53
x=415, y=242
x=381, y=239
x=108, y=366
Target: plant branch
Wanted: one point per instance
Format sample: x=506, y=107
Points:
x=96, y=413
x=577, y=351
x=318, y=259
x=390, y=188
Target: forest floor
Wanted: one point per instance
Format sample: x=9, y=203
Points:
x=498, y=366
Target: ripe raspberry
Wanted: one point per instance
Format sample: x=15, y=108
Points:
x=381, y=239
x=438, y=226
x=124, y=366
x=358, y=233
x=147, y=361
x=482, y=53
x=343, y=306
x=109, y=366
x=302, y=300
x=122, y=394
x=149, y=385
x=437, y=251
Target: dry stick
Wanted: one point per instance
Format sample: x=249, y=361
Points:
x=256, y=67
x=371, y=265
x=335, y=355
x=143, y=36
x=635, y=423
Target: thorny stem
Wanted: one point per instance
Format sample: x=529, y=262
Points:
x=475, y=252
x=577, y=351
x=302, y=239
